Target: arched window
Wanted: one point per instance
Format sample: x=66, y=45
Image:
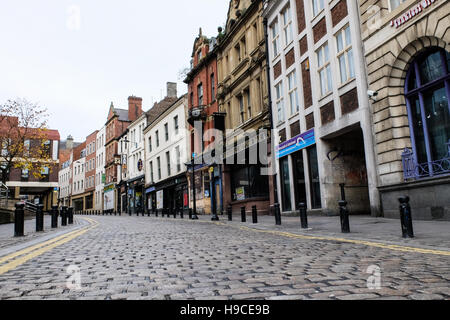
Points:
x=427, y=93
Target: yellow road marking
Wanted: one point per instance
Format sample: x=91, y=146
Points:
x=362, y=242
x=41, y=248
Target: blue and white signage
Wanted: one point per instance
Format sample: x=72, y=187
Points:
x=295, y=144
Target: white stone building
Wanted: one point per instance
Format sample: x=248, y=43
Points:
x=100, y=169
x=166, y=145
x=320, y=106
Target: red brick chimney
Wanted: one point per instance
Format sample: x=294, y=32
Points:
x=134, y=108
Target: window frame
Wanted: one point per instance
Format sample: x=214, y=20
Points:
x=325, y=66
x=293, y=90
x=345, y=52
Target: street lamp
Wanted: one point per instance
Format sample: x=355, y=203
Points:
x=194, y=213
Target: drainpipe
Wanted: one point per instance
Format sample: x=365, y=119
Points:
x=266, y=38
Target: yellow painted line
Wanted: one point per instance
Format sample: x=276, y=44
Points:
x=36, y=250
x=361, y=242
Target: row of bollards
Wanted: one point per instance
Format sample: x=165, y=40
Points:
x=19, y=218
x=66, y=215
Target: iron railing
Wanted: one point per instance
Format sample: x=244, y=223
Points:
x=4, y=193
x=414, y=170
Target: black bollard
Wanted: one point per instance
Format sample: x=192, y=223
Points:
x=174, y=213
x=19, y=219
x=345, y=223
x=54, y=213
x=64, y=216
x=40, y=218
x=255, y=214
x=70, y=215
x=230, y=212
x=182, y=213
x=303, y=216
x=190, y=213
x=243, y=215
x=194, y=215
x=406, y=217
x=277, y=214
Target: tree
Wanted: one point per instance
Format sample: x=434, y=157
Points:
x=23, y=140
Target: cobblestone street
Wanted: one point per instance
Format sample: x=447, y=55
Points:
x=168, y=259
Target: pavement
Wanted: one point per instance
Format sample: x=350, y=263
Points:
x=142, y=258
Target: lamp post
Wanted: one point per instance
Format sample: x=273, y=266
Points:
x=194, y=213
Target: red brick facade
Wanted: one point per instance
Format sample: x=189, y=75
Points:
x=327, y=113
x=290, y=58
x=319, y=30
x=307, y=93
x=277, y=70
x=300, y=15
x=339, y=12
x=204, y=73
x=349, y=101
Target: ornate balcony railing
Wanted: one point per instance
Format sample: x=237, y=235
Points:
x=414, y=170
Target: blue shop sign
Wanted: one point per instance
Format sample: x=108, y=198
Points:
x=150, y=190
x=295, y=144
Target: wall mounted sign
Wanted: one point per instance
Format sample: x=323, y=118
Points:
x=412, y=13
x=295, y=144
x=159, y=200
x=140, y=165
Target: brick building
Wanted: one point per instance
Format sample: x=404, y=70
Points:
x=202, y=90
x=118, y=121
x=22, y=181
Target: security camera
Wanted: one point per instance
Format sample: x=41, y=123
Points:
x=372, y=94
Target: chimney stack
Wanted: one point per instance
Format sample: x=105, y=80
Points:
x=134, y=108
x=69, y=143
x=171, y=89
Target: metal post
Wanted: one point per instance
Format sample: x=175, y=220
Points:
x=40, y=218
x=54, y=213
x=277, y=214
x=70, y=214
x=255, y=214
x=345, y=223
x=190, y=213
x=406, y=218
x=174, y=211
x=243, y=215
x=230, y=212
x=64, y=216
x=342, y=186
x=303, y=215
x=19, y=217
x=182, y=213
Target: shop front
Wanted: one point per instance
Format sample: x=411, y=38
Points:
x=135, y=195
x=169, y=195
x=298, y=176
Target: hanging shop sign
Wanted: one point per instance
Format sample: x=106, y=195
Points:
x=412, y=13
x=295, y=144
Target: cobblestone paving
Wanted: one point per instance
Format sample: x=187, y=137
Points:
x=160, y=258
x=7, y=230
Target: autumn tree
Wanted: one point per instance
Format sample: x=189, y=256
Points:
x=23, y=139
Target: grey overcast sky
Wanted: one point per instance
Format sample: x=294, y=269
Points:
x=76, y=57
